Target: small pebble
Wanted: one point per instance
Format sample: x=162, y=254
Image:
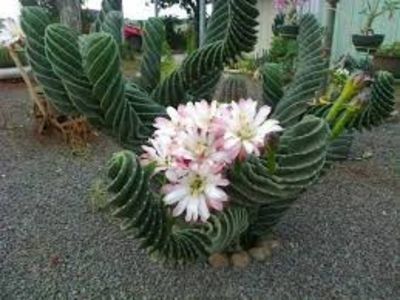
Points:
x=218, y=260
x=240, y=260
x=260, y=253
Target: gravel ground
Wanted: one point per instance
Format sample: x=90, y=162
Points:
x=340, y=241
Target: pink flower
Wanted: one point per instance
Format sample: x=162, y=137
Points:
x=197, y=143
x=247, y=128
x=158, y=152
x=280, y=5
x=196, y=193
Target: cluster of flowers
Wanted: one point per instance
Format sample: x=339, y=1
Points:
x=283, y=5
x=197, y=144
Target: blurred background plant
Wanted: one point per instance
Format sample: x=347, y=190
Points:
x=388, y=58
x=283, y=51
x=175, y=30
x=376, y=8
x=6, y=60
x=392, y=50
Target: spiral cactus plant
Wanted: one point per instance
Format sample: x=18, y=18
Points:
x=81, y=75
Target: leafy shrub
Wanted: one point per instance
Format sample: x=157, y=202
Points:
x=175, y=36
x=7, y=62
x=391, y=50
x=284, y=52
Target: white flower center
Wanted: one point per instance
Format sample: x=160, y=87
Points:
x=197, y=185
x=246, y=131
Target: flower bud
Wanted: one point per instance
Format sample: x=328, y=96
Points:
x=361, y=80
x=271, y=142
x=362, y=99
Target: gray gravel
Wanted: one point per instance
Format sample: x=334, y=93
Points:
x=341, y=240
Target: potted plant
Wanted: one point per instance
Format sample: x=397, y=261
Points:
x=289, y=9
x=388, y=58
x=368, y=40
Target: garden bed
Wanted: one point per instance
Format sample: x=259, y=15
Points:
x=341, y=239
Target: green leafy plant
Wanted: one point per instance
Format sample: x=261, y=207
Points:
x=376, y=8
x=284, y=52
x=82, y=75
x=391, y=50
x=6, y=60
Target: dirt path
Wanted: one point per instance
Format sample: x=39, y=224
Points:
x=340, y=240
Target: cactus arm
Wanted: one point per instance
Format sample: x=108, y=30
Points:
x=62, y=49
x=381, y=104
x=153, y=41
x=300, y=159
x=102, y=65
x=225, y=228
x=238, y=36
x=34, y=21
x=272, y=84
x=309, y=74
x=107, y=6
x=113, y=23
x=132, y=201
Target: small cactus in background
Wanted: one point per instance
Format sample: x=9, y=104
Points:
x=233, y=87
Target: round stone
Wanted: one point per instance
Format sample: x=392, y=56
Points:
x=260, y=253
x=218, y=260
x=240, y=260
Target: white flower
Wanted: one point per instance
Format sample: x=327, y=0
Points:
x=202, y=114
x=197, y=192
x=200, y=145
x=11, y=33
x=247, y=128
x=158, y=152
x=342, y=72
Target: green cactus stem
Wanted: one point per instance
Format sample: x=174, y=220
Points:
x=352, y=111
x=352, y=87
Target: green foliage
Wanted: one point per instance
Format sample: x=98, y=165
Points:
x=284, y=52
x=391, y=50
x=175, y=36
x=6, y=60
x=127, y=51
x=190, y=40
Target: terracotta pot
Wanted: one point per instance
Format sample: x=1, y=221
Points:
x=368, y=43
x=387, y=63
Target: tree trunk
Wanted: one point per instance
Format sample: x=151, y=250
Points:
x=202, y=21
x=330, y=28
x=70, y=13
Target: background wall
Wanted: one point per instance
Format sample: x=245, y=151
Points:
x=348, y=21
x=266, y=19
